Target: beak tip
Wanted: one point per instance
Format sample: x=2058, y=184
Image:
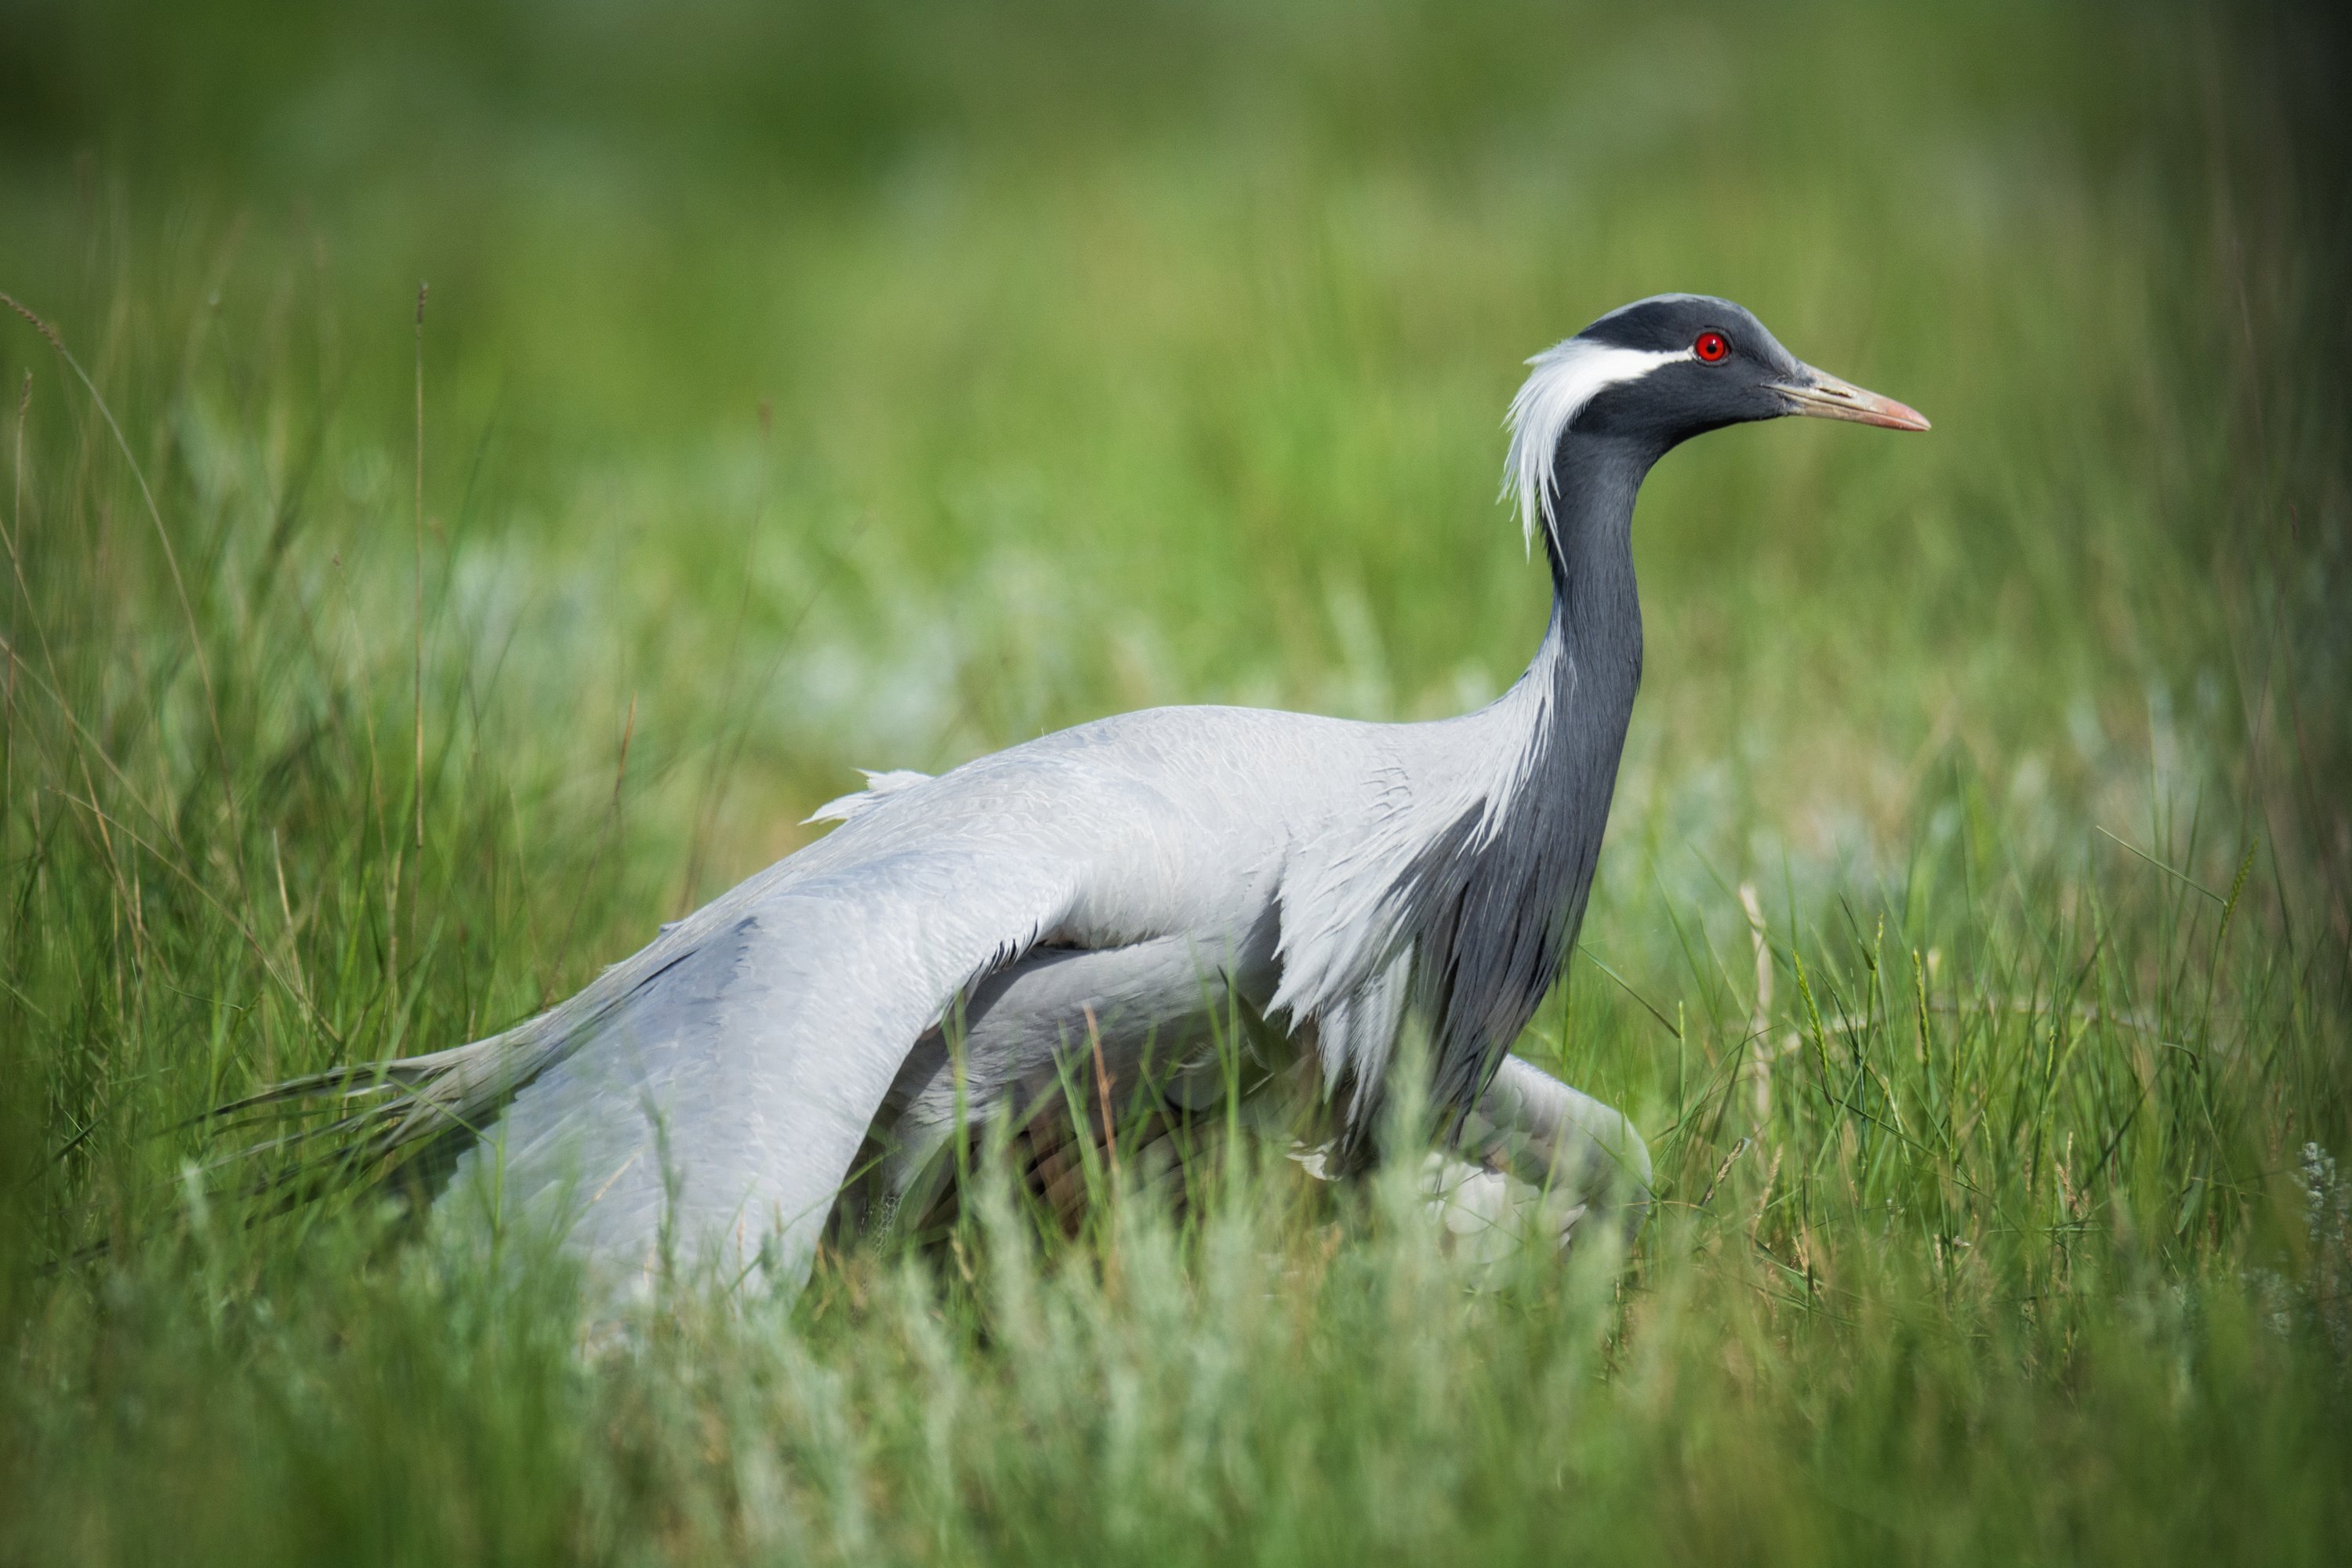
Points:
x=1902, y=415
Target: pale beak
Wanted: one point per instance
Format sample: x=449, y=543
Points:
x=1824, y=396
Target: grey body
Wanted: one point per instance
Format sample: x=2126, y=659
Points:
x=1125, y=882
x=1151, y=868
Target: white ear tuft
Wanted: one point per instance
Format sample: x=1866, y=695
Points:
x=1566, y=377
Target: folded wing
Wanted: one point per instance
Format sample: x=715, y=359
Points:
x=715, y=1105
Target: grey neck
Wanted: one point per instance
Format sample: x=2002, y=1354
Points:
x=1596, y=609
x=1498, y=910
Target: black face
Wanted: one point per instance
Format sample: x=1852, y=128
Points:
x=1728, y=370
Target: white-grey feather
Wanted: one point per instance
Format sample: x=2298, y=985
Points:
x=878, y=783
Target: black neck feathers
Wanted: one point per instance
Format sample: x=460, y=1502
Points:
x=1494, y=903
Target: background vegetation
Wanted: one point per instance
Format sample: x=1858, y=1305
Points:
x=832, y=385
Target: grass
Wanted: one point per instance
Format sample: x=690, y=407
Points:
x=812, y=387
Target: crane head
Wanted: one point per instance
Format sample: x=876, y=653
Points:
x=1657, y=373
x=1707, y=363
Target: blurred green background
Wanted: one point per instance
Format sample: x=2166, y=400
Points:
x=1145, y=354
x=818, y=385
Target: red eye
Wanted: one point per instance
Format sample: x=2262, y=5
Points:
x=1711, y=347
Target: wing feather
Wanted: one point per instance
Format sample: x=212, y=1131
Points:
x=714, y=1108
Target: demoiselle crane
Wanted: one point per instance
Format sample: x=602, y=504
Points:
x=1108, y=897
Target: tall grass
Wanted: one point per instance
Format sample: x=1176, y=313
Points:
x=1972, y=940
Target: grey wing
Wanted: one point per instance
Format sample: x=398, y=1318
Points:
x=714, y=1108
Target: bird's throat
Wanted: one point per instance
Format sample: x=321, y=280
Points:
x=1501, y=906
x=1596, y=605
